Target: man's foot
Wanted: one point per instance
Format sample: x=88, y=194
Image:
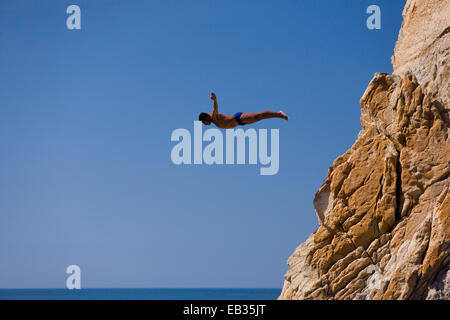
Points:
x=283, y=115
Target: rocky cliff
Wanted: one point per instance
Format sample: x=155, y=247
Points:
x=384, y=207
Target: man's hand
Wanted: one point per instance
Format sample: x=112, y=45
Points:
x=215, y=106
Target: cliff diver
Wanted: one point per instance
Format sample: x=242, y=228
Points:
x=238, y=119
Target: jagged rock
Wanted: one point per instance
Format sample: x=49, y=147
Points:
x=384, y=207
x=423, y=45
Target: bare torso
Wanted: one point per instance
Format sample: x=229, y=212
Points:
x=224, y=121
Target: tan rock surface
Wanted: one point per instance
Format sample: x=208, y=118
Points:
x=384, y=207
x=423, y=45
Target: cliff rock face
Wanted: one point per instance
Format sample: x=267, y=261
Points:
x=384, y=207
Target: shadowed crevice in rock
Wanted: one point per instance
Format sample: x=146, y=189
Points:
x=398, y=190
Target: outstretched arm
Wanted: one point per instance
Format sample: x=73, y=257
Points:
x=215, y=106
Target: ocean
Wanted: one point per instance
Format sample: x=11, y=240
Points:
x=140, y=294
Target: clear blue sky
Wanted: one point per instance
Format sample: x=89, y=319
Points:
x=86, y=118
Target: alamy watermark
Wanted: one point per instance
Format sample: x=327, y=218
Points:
x=74, y=280
x=74, y=20
x=374, y=20
x=213, y=153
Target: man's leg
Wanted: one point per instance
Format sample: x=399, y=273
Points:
x=248, y=118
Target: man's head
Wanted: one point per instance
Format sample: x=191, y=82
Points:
x=205, y=118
